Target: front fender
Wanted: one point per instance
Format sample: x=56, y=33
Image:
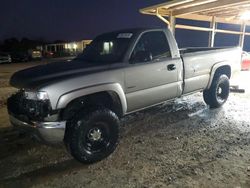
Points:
x=66, y=98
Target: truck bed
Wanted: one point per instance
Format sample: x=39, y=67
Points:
x=197, y=63
x=201, y=49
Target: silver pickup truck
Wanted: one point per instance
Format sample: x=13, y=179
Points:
x=80, y=102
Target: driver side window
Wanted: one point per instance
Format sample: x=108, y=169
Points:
x=152, y=45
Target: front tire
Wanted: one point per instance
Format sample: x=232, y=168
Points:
x=93, y=137
x=218, y=93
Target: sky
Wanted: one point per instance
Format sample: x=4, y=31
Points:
x=73, y=20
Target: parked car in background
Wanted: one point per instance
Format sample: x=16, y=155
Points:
x=48, y=54
x=5, y=58
x=245, y=64
x=19, y=57
x=35, y=54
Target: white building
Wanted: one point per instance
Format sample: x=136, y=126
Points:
x=64, y=48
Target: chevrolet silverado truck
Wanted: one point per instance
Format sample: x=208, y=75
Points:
x=80, y=102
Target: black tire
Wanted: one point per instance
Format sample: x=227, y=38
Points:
x=93, y=137
x=218, y=93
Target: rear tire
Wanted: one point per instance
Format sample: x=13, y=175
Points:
x=218, y=93
x=93, y=137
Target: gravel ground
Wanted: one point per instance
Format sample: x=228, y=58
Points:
x=178, y=144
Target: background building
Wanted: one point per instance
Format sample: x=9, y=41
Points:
x=64, y=49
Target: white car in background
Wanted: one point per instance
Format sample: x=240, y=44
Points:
x=35, y=54
x=5, y=58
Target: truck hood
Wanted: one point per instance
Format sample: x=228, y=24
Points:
x=37, y=76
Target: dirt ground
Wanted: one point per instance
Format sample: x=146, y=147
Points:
x=178, y=144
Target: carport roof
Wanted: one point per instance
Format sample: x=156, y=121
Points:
x=225, y=11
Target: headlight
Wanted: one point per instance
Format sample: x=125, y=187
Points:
x=40, y=95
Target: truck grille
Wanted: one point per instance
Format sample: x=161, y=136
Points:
x=15, y=103
x=27, y=110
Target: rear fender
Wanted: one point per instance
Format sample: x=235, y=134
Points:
x=214, y=69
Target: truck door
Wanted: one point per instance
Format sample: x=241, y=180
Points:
x=151, y=76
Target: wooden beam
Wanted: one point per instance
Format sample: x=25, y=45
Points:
x=164, y=5
x=196, y=17
x=248, y=34
x=162, y=18
x=162, y=12
x=228, y=32
x=209, y=6
x=188, y=27
x=190, y=4
x=222, y=12
x=206, y=18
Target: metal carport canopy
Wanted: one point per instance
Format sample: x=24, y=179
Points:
x=213, y=11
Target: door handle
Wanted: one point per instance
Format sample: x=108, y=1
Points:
x=171, y=67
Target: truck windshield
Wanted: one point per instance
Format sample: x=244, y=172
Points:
x=107, y=48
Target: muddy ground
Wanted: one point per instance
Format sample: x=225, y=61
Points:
x=179, y=144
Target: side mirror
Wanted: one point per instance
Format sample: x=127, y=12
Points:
x=142, y=56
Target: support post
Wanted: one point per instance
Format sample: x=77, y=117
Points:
x=213, y=26
x=242, y=36
x=55, y=46
x=172, y=22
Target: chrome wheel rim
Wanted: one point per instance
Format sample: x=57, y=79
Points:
x=97, y=138
x=221, y=93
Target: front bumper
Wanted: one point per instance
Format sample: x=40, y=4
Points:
x=48, y=132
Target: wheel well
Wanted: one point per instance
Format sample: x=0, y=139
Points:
x=226, y=69
x=107, y=99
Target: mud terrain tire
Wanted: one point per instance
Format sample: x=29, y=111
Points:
x=93, y=137
x=218, y=93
